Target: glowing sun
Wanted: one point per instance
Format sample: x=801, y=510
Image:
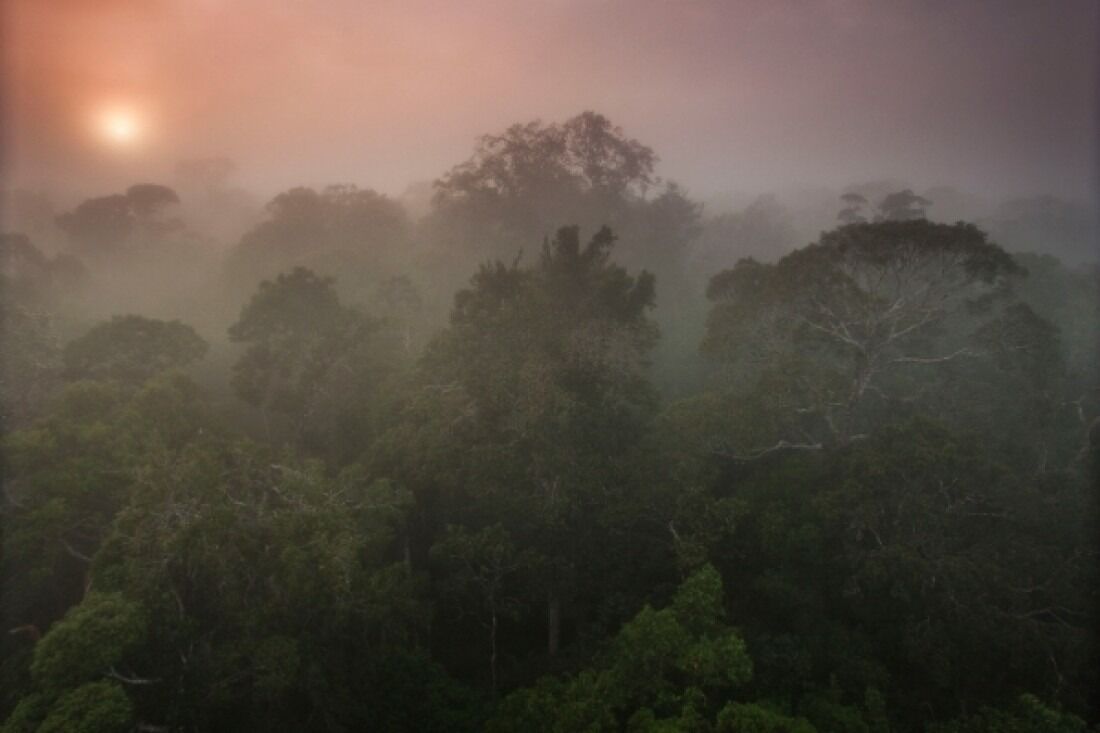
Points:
x=119, y=126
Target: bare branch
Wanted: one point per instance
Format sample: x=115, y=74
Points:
x=113, y=674
x=932, y=359
x=780, y=446
x=74, y=552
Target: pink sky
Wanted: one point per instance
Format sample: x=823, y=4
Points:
x=992, y=95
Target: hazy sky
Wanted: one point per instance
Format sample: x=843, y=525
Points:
x=993, y=95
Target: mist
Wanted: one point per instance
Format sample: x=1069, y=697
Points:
x=549, y=366
x=989, y=96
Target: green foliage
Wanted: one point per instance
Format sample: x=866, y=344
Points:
x=27, y=714
x=272, y=583
x=97, y=707
x=92, y=638
x=838, y=337
x=1028, y=715
x=878, y=517
x=754, y=718
x=313, y=361
x=673, y=662
x=545, y=371
x=530, y=179
x=72, y=472
x=131, y=350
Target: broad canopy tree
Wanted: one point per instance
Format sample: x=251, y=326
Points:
x=519, y=185
x=109, y=224
x=340, y=229
x=843, y=320
x=131, y=350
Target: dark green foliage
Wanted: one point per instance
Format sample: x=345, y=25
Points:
x=1028, y=715
x=876, y=517
x=313, y=362
x=131, y=350
x=662, y=667
x=834, y=334
x=89, y=641
x=521, y=185
x=548, y=364
x=98, y=707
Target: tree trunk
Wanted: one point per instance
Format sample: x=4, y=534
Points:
x=493, y=653
x=553, y=622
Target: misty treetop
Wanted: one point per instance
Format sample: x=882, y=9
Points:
x=568, y=451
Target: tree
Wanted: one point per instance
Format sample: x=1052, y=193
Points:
x=670, y=668
x=96, y=707
x=277, y=596
x=834, y=323
x=100, y=224
x=762, y=230
x=89, y=643
x=551, y=363
x=854, y=211
x=30, y=363
x=399, y=302
x=107, y=224
x=512, y=173
x=342, y=230
x=521, y=184
x=902, y=206
x=1028, y=715
x=481, y=565
x=131, y=350
x=31, y=279
x=67, y=476
x=314, y=362
x=148, y=199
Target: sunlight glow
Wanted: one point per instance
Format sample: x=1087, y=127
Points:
x=119, y=126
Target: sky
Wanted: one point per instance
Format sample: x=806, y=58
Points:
x=994, y=96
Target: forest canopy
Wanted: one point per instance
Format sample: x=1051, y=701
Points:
x=566, y=451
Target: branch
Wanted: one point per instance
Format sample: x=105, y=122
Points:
x=675, y=534
x=113, y=674
x=780, y=446
x=29, y=629
x=932, y=359
x=74, y=552
x=835, y=334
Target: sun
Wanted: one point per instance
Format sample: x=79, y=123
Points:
x=119, y=126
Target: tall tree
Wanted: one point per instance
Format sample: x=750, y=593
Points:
x=552, y=362
x=837, y=323
x=312, y=362
x=521, y=184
